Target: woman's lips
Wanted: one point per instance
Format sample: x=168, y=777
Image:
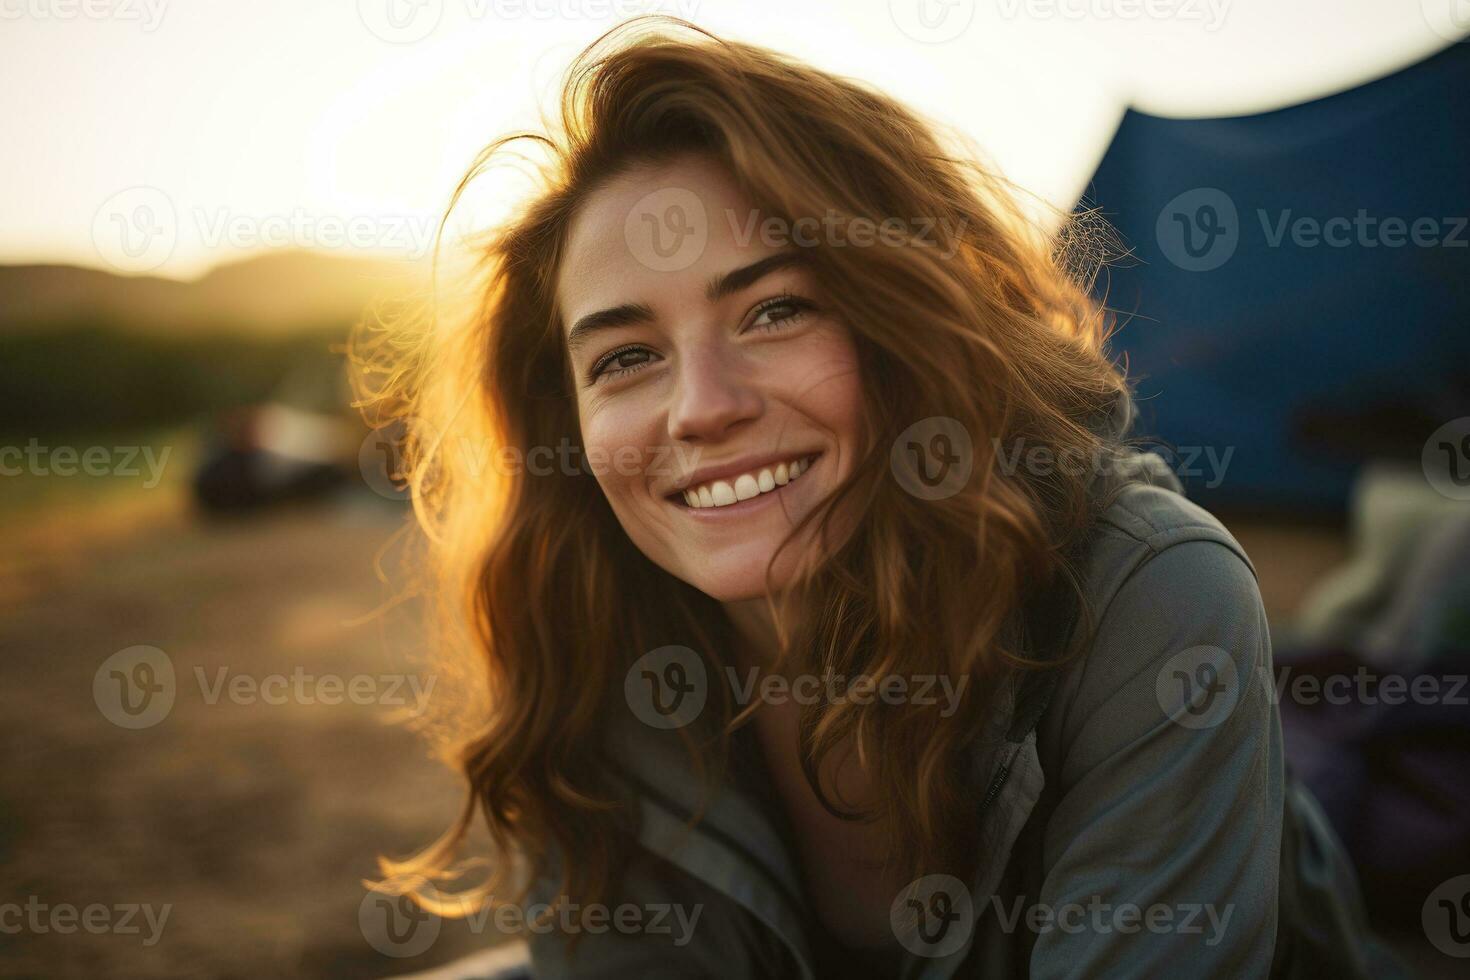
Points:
x=745, y=493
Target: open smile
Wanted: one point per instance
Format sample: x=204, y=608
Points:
x=743, y=492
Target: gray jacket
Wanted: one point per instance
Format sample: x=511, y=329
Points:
x=1137, y=816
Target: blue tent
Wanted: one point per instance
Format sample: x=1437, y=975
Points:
x=1299, y=286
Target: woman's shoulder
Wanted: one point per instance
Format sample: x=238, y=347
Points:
x=1169, y=592
x=1150, y=528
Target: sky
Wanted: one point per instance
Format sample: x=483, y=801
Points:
x=166, y=136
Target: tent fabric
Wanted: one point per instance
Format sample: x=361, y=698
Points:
x=1307, y=353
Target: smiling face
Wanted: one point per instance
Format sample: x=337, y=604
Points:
x=706, y=355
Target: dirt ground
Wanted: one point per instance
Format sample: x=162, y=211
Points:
x=252, y=822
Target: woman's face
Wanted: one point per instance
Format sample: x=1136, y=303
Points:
x=719, y=400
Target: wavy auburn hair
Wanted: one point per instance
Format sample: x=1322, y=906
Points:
x=547, y=601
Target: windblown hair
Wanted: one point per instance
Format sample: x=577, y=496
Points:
x=989, y=323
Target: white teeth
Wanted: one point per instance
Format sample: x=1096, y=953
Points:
x=722, y=493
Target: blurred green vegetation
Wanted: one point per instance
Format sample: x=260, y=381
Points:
x=90, y=378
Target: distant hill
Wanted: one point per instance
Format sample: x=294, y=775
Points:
x=272, y=293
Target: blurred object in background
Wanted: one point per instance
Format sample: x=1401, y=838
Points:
x=1300, y=292
x=1403, y=598
x=298, y=446
x=1374, y=696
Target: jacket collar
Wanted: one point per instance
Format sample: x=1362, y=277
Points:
x=736, y=848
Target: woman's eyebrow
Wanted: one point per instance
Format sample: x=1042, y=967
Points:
x=737, y=279
x=614, y=316
x=719, y=287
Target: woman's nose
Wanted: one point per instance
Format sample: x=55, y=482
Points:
x=713, y=395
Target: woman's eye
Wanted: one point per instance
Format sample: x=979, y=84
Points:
x=778, y=313
x=618, y=363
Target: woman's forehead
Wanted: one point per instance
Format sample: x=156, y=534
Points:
x=652, y=230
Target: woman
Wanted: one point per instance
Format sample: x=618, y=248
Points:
x=809, y=592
